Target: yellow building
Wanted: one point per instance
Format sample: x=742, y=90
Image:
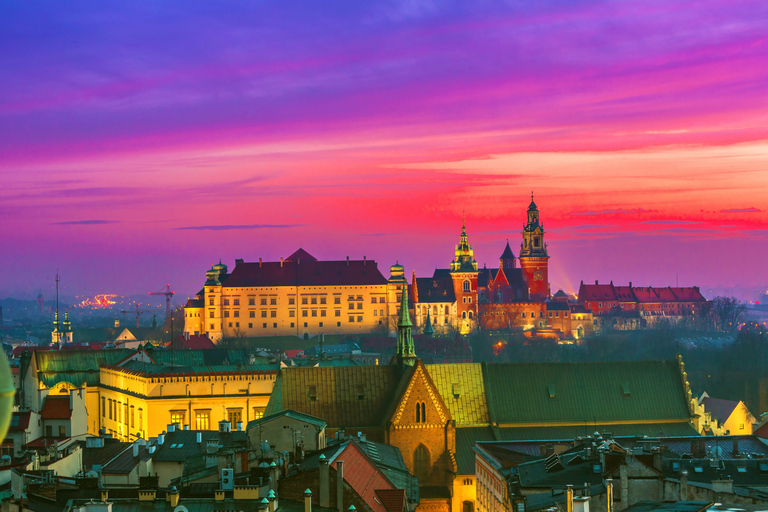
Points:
x=722, y=417
x=135, y=393
x=298, y=295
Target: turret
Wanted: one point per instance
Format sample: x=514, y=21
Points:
x=406, y=352
x=464, y=260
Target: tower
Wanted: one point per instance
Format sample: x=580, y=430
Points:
x=406, y=351
x=507, y=259
x=533, y=255
x=464, y=275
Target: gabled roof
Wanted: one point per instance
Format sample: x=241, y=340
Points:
x=720, y=409
x=463, y=391
x=599, y=292
x=310, y=272
x=541, y=393
x=180, y=445
x=193, y=342
x=646, y=295
x=306, y=418
x=56, y=408
x=19, y=421
x=344, y=396
x=393, y=500
x=302, y=255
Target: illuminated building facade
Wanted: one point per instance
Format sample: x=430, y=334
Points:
x=298, y=295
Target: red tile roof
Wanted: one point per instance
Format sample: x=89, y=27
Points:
x=194, y=342
x=56, y=408
x=597, y=292
x=392, y=499
x=19, y=421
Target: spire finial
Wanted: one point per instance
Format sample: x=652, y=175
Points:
x=531, y=195
x=463, y=224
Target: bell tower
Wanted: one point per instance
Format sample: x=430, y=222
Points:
x=464, y=275
x=534, y=259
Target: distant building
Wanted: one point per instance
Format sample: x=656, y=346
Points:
x=299, y=295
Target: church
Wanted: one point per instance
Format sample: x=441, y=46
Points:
x=434, y=414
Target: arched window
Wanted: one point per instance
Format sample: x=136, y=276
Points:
x=447, y=310
x=463, y=314
x=434, y=310
x=418, y=412
x=467, y=287
x=470, y=315
x=423, y=412
x=421, y=464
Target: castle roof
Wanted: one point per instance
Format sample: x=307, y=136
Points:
x=305, y=270
x=507, y=254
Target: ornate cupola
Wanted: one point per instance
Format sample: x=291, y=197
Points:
x=464, y=260
x=533, y=255
x=533, y=234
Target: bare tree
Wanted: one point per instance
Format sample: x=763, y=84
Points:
x=728, y=311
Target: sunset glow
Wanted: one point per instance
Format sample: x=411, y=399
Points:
x=183, y=133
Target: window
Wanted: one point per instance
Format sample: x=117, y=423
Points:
x=263, y=314
x=322, y=300
x=292, y=313
x=258, y=412
x=291, y=301
x=322, y=312
x=421, y=412
x=202, y=420
x=314, y=312
x=141, y=414
x=306, y=324
x=237, y=314
x=251, y=301
x=225, y=302
x=273, y=314
x=263, y=301
x=236, y=302
x=264, y=325
x=381, y=312
x=304, y=313
x=359, y=305
x=62, y=431
x=304, y=300
x=273, y=301
x=274, y=325
x=375, y=313
x=373, y=300
x=235, y=416
x=351, y=305
x=536, y=242
x=226, y=314
x=359, y=319
x=178, y=417
x=469, y=300
x=110, y=408
x=48, y=431
x=125, y=414
x=359, y=297
x=337, y=312
x=211, y=327
x=338, y=324
x=313, y=300
x=293, y=325
x=463, y=314
x=250, y=326
x=381, y=300
x=321, y=324
x=251, y=314
x=351, y=319
x=467, y=286
x=470, y=315
x=421, y=463
x=103, y=407
x=230, y=324
x=210, y=301
x=337, y=300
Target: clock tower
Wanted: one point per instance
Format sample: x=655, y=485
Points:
x=533, y=255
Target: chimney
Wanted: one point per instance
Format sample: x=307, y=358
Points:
x=135, y=450
x=274, y=474
x=630, y=284
x=160, y=438
x=569, y=498
x=186, y=427
x=171, y=428
x=199, y=437
x=340, y=434
x=281, y=262
x=239, y=426
x=173, y=496
x=595, y=281
x=609, y=495
x=152, y=449
x=347, y=260
x=325, y=477
x=271, y=497
x=656, y=453
x=339, y=486
x=307, y=501
x=259, y=262
x=683, y=486
x=362, y=437
x=364, y=260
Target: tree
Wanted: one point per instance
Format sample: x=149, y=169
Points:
x=728, y=311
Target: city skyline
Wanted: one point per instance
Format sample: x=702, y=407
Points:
x=141, y=145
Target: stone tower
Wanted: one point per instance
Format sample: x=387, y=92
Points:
x=464, y=275
x=533, y=255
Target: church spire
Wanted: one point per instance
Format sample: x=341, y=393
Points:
x=406, y=353
x=428, y=330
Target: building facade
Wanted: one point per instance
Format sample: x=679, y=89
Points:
x=299, y=295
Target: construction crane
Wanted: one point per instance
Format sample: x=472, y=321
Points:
x=168, y=294
x=138, y=313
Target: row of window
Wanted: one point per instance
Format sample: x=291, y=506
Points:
x=292, y=300
x=119, y=412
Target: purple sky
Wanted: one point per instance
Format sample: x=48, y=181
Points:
x=140, y=142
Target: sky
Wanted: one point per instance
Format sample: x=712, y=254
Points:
x=141, y=142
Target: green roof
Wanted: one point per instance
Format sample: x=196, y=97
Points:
x=573, y=431
x=540, y=393
x=75, y=366
x=149, y=368
x=463, y=391
x=465, y=443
